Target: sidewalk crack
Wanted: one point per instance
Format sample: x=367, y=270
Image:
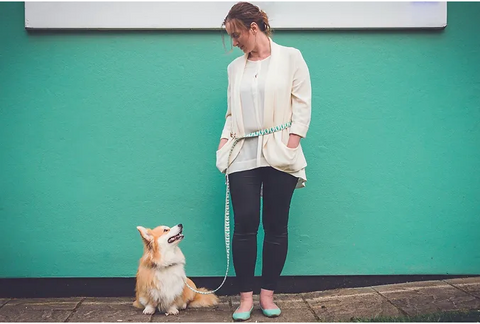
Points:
x=461, y=289
x=390, y=302
x=75, y=309
x=9, y=299
x=311, y=309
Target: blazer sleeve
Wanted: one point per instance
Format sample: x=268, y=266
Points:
x=301, y=97
x=227, y=128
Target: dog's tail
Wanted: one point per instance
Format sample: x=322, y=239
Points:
x=201, y=300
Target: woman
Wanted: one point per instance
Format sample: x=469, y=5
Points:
x=269, y=86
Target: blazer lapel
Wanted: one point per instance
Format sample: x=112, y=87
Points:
x=269, y=93
x=238, y=102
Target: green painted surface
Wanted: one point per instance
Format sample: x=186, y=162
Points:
x=104, y=131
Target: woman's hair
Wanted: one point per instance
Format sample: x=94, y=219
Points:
x=243, y=14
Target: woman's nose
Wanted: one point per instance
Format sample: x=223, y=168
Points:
x=235, y=42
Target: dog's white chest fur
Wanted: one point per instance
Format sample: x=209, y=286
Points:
x=169, y=281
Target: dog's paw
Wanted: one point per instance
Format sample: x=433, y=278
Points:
x=149, y=310
x=172, y=311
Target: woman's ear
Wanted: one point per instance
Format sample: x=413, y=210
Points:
x=254, y=27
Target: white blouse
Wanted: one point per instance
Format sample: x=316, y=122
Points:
x=252, y=96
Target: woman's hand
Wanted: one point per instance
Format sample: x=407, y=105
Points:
x=222, y=143
x=293, y=141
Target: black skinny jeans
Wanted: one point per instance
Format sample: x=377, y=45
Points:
x=245, y=188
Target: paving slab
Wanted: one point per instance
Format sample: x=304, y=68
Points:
x=302, y=315
x=108, y=309
x=468, y=280
x=469, y=285
x=194, y=315
x=44, y=303
x=427, y=297
x=293, y=306
x=219, y=313
x=19, y=314
x=38, y=309
x=342, y=305
x=407, y=286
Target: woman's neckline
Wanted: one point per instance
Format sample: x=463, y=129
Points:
x=250, y=60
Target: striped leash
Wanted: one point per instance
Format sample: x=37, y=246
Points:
x=227, y=197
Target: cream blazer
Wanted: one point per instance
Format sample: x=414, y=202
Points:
x=287, y=98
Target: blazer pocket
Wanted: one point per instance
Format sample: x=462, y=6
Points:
x=222, y=156
x=284, y=158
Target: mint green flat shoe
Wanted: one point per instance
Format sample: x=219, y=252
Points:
x=242, y=316
x=271, y=312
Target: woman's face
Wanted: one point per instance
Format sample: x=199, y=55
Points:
x=243, y=39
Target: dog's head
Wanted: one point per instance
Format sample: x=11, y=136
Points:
x=161, y=243
x=162, y=236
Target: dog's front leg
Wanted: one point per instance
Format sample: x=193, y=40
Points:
x=172, y=310
x=149, y=309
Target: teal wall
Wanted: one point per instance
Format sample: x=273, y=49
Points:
x=104, y=131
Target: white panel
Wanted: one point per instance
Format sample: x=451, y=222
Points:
x=210, y=15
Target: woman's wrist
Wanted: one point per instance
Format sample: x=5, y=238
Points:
x=293, y=140
x=222, y=142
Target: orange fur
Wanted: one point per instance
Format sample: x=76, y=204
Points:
x=161, y=275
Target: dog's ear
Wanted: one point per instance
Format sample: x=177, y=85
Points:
x=144, y=233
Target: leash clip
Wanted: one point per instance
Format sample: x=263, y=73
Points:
x=233, y=135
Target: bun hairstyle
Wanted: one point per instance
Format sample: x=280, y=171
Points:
x=243, y=14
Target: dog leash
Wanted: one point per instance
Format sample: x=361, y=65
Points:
x=227, y=197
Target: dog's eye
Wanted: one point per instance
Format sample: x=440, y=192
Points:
x=165, y=229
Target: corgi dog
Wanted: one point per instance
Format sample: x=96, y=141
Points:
x=160, y=279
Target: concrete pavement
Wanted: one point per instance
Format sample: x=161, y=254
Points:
x=339, y=305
